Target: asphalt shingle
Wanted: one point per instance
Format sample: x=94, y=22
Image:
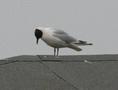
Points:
x=84, y=72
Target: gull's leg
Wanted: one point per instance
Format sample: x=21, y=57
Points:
x=57, y=51
x=54, y=51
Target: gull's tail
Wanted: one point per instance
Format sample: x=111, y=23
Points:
x=75, y=47
x=82, y=43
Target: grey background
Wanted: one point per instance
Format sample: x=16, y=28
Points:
x=92, y=20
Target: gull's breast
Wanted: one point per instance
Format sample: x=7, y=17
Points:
x=53, y=41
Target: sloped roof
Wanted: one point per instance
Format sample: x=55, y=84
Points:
x=43, y=72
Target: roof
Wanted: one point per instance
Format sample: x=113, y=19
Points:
x=44, y=72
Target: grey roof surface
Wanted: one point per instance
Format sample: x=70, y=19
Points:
x=43, y=72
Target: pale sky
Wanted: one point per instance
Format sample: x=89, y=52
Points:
x=95, y=21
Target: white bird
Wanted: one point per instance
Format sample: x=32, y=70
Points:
x=58, y=39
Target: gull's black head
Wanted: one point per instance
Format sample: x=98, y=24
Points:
x=38, y=34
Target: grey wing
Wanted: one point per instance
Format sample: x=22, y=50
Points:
x=59, y=32
x=64, y=36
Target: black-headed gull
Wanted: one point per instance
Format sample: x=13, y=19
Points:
x=58, y=39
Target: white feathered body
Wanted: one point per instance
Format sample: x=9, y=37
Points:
x=51, y=40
